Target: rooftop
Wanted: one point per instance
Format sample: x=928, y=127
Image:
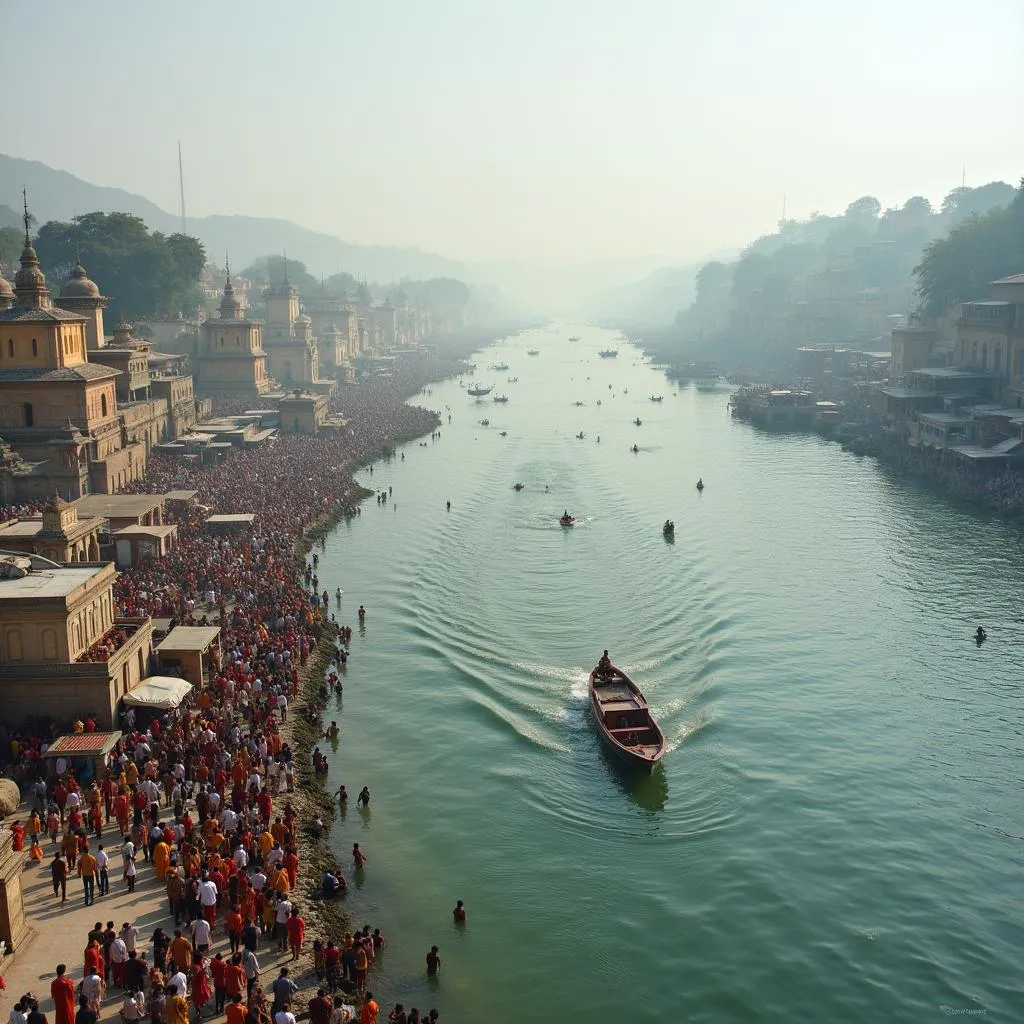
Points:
x=35, y=315
x=180, y=495
x=146, y=531
x=118, y=506
x=189, y=638
x=83, y=744
x=47, y=375
x=42, y=584
x=229, y=519
x=1012, y=279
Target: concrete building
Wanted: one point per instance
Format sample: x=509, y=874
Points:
x=292, y=356
x=63, y=652
x=231, y=358
x=58, y=534
x=58, y=410
x=912, y=349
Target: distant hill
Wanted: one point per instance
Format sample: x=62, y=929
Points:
x=58, y=195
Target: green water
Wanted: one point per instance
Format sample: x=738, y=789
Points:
x=835, y=834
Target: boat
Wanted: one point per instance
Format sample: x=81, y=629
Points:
x=502, y=433
x=478, y=390
x=578, y=404
x=501, y=366
x=485, y=423
x=579, y=436
x=518, y=486
x=608, y=353
x=575, y=337
x=634, y=449
x=501, y=398
x=637, y=422
x=566, y=520
x=533, y=352
x=623, y=718
x=657, y=398
x=669, y=529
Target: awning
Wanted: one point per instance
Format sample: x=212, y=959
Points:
x=83, y=744
x=162, y=693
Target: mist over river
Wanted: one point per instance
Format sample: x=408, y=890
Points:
x=835, y=833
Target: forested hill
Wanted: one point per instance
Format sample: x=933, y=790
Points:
x=842, y=279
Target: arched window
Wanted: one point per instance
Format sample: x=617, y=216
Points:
x=27, y=411
x=103, y=405
x=10, y=347
x=35, y=348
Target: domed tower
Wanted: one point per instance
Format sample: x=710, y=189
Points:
x=6, y=291
x=303, y=328
x=30, y=291
x=231, y=305
x=82, y=296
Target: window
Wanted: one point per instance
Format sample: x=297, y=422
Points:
x=10, y=347
x=35, y=348
x=103, y=405
x=27, y=411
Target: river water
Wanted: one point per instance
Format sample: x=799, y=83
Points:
x=836, y=832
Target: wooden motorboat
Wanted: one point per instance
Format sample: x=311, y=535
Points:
x=566, y=520
x=478, y=390
x=623, y=719
x=575, y=337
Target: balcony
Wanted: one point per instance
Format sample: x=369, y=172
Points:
x=134, y=634
x=118, y=636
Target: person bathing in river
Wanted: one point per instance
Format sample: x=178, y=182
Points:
x=364, y=797
x=459, y=913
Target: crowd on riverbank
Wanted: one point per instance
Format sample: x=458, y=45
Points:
x=211, y=795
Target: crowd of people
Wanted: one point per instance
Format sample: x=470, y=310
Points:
x=204, y=792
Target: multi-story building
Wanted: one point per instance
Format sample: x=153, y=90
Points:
x=230, y=357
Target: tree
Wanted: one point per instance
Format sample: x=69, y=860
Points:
x=864, y=210
x=960, y=266
x=143, y=273
x=12, y=241
x=962, y=203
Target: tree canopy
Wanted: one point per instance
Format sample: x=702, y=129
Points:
x=981, y=249
x=142, y=272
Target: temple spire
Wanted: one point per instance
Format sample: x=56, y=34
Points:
x=24, y=199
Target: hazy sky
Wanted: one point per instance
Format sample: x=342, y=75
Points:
x=539, y=130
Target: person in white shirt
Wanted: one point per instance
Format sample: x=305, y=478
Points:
x=134, y=1007
x=241, y=858
x=275, y=856
x=102, y=866
x=201, y=934
x=284, y=1017
x=258, y=881
x=74, y=801
x=130, y=934
x=179, y=983
x=208, y=899
x=281, y=914
x=118, y=958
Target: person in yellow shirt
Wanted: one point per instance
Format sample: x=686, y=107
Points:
x=176, y=1006
x=87, y=872
x=266, y=842
x=132, y=773
x=279, y=881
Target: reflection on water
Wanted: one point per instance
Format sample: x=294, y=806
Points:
x=648, y=790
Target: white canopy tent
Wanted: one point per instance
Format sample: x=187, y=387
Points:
x=158, y=693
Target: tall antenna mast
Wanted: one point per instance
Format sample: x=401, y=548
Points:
x=181, y=189
x=963, y=176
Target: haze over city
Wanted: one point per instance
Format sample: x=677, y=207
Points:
x=550, y=132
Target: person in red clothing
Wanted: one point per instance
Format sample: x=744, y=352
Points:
x=296, y=932
x=62, y=991
x=291, y=866
x=234, y=980
x=200, y=985
x=219, y=972
x=235, y=1010
x=233, y=922
x=17, y=837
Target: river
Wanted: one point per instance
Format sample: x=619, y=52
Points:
x=836, y=832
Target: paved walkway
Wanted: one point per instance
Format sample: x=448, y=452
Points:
x=61, y=930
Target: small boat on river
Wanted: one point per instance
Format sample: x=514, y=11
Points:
x=500, y=398
x=566, y=520
x=669, y=529
x=478, y=390
x=657, y=398
x=533, y=351
x=623, y=718
x=608, y=353
x=575, y=337
x=501, y=366
x=518, y=486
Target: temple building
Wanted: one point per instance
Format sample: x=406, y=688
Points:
x=292, y=355
x=58, y=411
x=231, y=358
x=58, y=534
x=63, y=650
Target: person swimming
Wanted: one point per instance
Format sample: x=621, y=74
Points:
x=980, y=635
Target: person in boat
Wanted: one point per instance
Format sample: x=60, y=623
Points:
x=604, y=664
x=980, y=635
x=669, y=525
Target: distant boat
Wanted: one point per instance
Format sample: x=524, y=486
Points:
x=608, y=353
x=575, y=337
x=518, y=486
x=501, y=398
x=657, y=398
x=566, y=520
x=478, y=390
x=501, y=366
x=623, y=718
x=577, y=404
x=533, y=352
x=485, y=423
x=669, y=529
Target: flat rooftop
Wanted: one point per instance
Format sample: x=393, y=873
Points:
x=180, y=495
x=147, y=531
x=20, y=528
x=49, y=583
x=189, y=638
x=118, y=506
x=232, y=518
